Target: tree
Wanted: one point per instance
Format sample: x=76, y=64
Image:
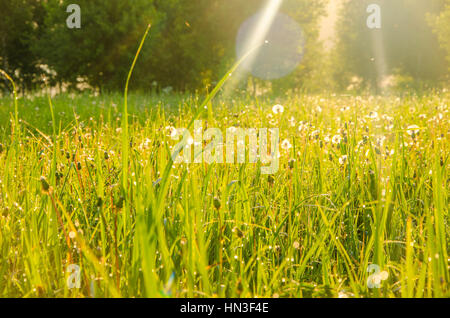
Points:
x=441, y=25
x=20, y=27
x=405, y=44
x=191, y=43
x=183, y=50
x=100, y=52
x=310, y=73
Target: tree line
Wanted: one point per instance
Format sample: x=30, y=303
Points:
x=191, y=43
x=411, y=46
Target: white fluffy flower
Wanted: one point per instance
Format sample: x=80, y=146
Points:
x=336, y=139
x=278, y=109
x=413, y=130
x=286, y=145
x=343, y=159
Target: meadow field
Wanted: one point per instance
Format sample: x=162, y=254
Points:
x=358, y=207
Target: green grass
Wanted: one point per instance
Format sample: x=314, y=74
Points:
x=311, y=232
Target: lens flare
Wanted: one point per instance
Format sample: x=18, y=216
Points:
x=254, y=31
x=278, y=53
x=276, y=40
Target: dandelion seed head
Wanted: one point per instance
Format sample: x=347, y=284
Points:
x=278, y=109
x=286, y=145
x=343, y=159
x=413, y=130
x=336, y=139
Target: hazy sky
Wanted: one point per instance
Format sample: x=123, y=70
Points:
x=328, y=23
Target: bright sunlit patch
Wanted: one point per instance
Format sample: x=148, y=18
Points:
x=276, y=41
x=278, y=109
x=254, y=31
x=279, y=41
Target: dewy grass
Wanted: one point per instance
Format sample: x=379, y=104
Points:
x=358, y=208
x=310, y=230
x=16, y=108
x=125, y=139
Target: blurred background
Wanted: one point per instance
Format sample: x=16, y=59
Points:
x=193, y=43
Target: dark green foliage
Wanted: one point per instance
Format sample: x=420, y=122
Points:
x=20, y=27
x=191, y=43
x=99, y=53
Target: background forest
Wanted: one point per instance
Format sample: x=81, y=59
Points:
x=192, y=44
